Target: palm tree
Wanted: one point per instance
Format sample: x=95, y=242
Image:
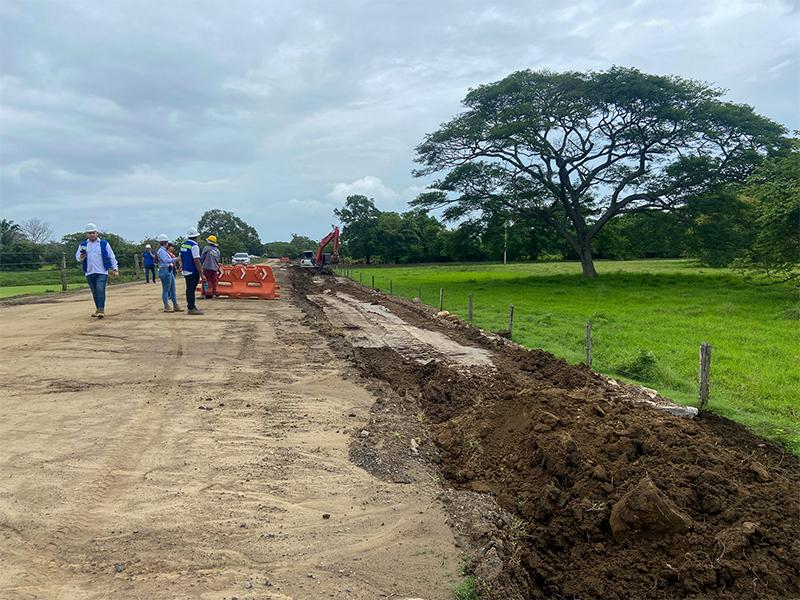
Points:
x=9, y=231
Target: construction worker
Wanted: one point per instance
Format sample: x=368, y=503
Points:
x=192, y=269
x=97, y=259
x=166, y=273
x=149, y=261
x=210, y=257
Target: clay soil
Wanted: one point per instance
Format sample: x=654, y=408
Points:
x=566, y=488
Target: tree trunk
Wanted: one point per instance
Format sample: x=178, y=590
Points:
x=587, y=263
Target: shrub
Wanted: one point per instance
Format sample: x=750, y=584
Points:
x=642, y=366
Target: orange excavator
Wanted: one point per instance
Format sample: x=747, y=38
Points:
x=321, y=259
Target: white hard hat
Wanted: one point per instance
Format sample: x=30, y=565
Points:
x=90, y=227
x=147, y=245
x=162, y=238
x=192, y=232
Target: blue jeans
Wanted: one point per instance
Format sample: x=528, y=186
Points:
x=97, y=283
x=149, y=270
x=167, y=286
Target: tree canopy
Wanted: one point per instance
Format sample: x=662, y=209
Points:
x=774, y=191
x=575, y=150
x=359, y=219
x=233, y=233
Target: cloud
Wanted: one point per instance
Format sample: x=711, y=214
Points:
x=369, y=186
x=142, y=115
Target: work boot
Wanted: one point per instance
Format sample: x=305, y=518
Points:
x=194, y=311
x=166, y=308
x=176, y=308
x=101, y=314
x=94, y=314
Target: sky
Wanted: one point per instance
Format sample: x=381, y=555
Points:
x=141, y=115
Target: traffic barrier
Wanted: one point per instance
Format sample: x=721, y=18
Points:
x=251, y=281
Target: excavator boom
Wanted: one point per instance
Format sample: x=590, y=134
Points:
x=320, y=257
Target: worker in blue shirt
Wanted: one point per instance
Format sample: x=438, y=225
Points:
x=149, y=264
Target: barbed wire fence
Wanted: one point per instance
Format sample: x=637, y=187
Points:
x=23, y=269
x=434, y=295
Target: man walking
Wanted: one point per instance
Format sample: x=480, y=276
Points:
x=192, y=269
x=97, y=259
x=210, y=257
x=149, y=264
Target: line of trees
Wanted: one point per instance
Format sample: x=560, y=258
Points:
x=754, y=226
x=27, y=246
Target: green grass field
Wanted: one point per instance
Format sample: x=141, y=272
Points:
x=649, y=318
x=45, y=280
x=20, y=290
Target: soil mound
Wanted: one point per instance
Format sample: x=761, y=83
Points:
x=613, y=499
x=621, y=501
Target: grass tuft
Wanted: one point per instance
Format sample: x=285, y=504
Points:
x=466, y=590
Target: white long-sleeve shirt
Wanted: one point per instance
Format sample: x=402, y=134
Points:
x=94, y=258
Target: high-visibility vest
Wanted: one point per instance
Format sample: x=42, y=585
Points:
x=187, y=260
x=103, y=252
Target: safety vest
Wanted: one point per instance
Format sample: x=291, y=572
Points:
x=103, y=252
x=187, y=260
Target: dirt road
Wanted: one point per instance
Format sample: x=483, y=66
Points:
x=162, y=456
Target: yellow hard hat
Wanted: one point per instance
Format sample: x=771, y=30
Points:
x=212, y=239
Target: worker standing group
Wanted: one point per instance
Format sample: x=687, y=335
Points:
x=98, y=260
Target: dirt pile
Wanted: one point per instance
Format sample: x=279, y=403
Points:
x=614, y=499
x=620, y=501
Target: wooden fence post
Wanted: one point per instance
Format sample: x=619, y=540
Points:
x=510, y=320
x=589, y=344
x=63, y=272
x=469, y=307
x=373, y=282
x=441, y=299
x=705, y=373
x=420, y=295
x=136, y=265
x=360, y=278
x=391, y=288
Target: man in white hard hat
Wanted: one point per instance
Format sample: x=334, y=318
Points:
x=149, y=261
x=97, y=259
x=192, y=269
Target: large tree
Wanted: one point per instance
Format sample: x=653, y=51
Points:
x=233, y=233
x=574, y=150
x=37, y=231
x=359, y=219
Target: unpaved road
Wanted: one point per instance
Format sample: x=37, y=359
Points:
x=157, y=455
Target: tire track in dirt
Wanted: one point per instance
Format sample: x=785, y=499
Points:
x=80, y=522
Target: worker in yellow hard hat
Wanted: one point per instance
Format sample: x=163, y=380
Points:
x=211, y=258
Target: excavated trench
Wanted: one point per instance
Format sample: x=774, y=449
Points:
x=598, y=493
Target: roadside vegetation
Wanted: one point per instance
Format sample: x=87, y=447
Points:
x=649, y=318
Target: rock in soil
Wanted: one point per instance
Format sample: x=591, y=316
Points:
x=645, y=510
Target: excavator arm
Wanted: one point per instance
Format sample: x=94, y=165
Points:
x=332, y=236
